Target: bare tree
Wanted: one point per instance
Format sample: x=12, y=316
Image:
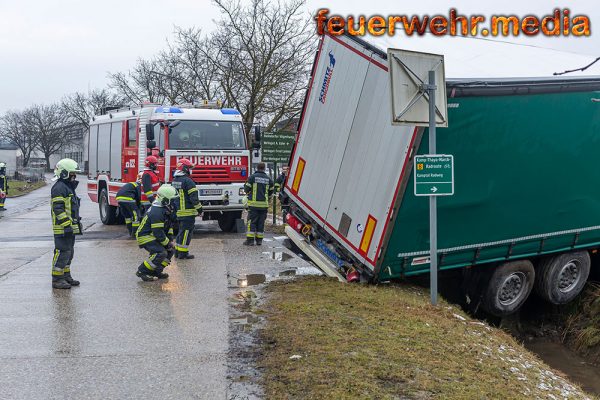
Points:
x=45, y=123
x=264, y=54
x=257, y=60
x=196, y=54
x=81, y=107
x=139, y=84
x=14, y=129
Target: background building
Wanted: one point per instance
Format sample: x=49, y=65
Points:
x=11, y=155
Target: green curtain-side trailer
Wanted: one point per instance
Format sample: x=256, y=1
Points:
x=527, y=179
x=526, y=206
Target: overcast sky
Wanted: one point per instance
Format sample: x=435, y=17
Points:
x=49, y=48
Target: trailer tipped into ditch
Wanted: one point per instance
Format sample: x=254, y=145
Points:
x=526, y=207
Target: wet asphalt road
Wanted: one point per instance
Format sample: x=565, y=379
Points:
x=114, y=336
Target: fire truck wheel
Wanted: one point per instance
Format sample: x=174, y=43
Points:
x=108, y=213
x=227, y=221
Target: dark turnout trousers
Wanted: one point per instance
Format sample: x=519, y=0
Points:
x=63, y=255
x=158, y=259
x=184, y=236
x=256, y=223
x=132, y=215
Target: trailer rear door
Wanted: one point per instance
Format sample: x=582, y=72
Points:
x=349, y=160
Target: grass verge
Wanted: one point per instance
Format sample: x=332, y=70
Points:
x=20, y=188
x=582, y=327
x=361, y=341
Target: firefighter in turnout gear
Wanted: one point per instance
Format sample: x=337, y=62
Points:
x=188, y=207
x=259, y=188
x=152, y=235
x=129, y=199
x=284, y=199
x=150, y=181
x=65, y=222
x=3, y=186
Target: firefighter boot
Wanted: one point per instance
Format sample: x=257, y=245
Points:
x=70, y=279
x=60, y=283
x=144, y=274
x=259, y=241
x=183, y=255
x=144, y=277
x=162, y=275
x=249, y=242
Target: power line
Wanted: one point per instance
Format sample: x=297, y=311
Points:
x=578, y=69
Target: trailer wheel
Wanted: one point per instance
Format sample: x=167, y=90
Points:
x=108, y=213
x=559, y=279
x=227, y=220
x=509, y=287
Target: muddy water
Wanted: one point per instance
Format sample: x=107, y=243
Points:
x=562, y=359
x=277, y=255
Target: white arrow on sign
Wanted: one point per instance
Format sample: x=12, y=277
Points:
x=434, y=189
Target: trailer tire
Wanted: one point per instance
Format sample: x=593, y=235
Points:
x=509, y=287
x=108, y=213
x=559, y=279
x=227, y=220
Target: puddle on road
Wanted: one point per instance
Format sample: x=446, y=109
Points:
x=277, y=255
x=243, y=281
x=561, y=358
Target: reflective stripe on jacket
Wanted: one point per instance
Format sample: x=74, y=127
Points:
x=4, y=184
x=129, y=193
x=64, y=208
x=259, y=188
x=153, y=226
x=188, y=203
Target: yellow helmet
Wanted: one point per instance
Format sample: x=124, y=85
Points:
x=166, y=192
x=66, y=167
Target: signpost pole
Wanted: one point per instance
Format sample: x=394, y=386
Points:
x=274, y=195
x=432, y=199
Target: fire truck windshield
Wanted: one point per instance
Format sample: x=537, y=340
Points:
x=207, y=135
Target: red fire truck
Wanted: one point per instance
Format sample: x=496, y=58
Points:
x=211, y=137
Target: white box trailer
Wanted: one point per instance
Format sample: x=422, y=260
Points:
x=351, y=208
x=344, y=168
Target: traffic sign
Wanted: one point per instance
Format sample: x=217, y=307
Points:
x=434, y=175
x=412, y=94
x=277, y=146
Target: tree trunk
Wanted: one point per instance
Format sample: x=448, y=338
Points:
x=47, y=157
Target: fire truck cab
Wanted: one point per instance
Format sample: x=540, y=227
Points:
x=211, y=137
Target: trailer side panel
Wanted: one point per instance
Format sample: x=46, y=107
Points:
x=526, y=183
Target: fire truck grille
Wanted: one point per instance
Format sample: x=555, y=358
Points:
x=210, y=173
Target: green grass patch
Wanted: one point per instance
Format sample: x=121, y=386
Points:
x=582, y=326
x=19, y=188
x=382, y=342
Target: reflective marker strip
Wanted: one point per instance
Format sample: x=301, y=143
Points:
x=298, y=175
x=365, y=242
